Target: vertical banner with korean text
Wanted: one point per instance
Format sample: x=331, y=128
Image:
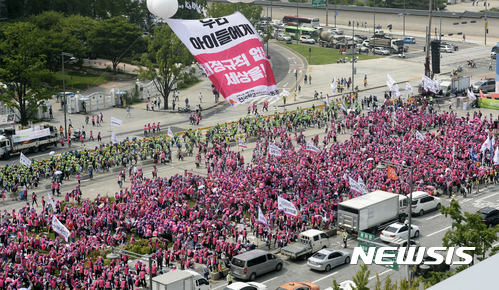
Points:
x=231, y=54
x=60, y=228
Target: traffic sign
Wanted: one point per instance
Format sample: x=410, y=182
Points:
x=366, y=236
x=365, y=247
x=317, y=3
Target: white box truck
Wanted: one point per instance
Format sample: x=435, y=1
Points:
x=372, y=212
x=457, y=84
x=180, y=280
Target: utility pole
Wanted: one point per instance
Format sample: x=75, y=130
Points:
x=327, y=13
x=440, y=31
x=271, y=9
x=335, y=13
x=404, y=17
x=297, y=34
x=486, y=22
x=353, y=57
x=374, y=35
x=428, y=38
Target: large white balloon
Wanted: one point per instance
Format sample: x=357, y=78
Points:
x=162, y=8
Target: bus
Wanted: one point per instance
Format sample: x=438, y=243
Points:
x=292, y=19
x=291, y=31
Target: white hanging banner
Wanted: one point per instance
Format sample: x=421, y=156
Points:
x=274, y=150
x=354, y=185
x=334, y=86
x=31, y=134
x=496, y=156
x=419, y=136
x=287, y=206
x=242, y=144
x=24, y=160
x=116, y=122
x=389, y=81
x=170, y=133
x=362, y=185
x=311, y=148
x=231, y=54
x=261, y=217
x=60, y=229
x=114, y=138
x=52, y=203
x=7, y=119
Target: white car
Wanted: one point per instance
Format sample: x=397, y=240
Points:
x=307, y=39
x=283, y=37
x=398, y=230
x=362, y=48
x=338, y=31
x=246, y=286
x=446, y=48
x=381, y=50
x=423, y=202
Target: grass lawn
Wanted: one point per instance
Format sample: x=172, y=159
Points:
x=322, y=55
x=80, y=81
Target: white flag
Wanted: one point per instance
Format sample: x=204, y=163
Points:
x=24, y=160
x=261, y=217
x=485, y=144
x=274, y=150
x=354, y=185
x=51, y=201
x=471, y=95
x=242, y=144
x=389, y=81
x=395, y=91
x=419, y=136
x=343, y=106
x=116, y=122
x=311, y=148
x=334, y=86
x=362, y=185
x=114, y=138
x=287, y=206
x=60, y=228
x=285, y=93
x=496, y=156
x=408, y=87
x=327, y=99
x=394, y=116
x=436, y=86
x=187, y=5
x=453, y=151
x=170, y=133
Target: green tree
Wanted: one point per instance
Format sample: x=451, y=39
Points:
x=23, y=66
x=164, y=61
x=361, y=278
x=468, y=230
x=115, y=39
x=79, y=26
x=56, y=40
x=251, y=11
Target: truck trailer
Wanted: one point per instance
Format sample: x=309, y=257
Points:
x=180, y=280
x=33, y=140
x=372, y=212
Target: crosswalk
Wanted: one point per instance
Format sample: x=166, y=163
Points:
x=458, y=57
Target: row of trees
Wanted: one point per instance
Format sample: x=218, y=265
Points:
x=467, y=230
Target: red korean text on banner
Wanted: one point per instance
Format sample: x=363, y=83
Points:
x=391, y=173
x=231, y=54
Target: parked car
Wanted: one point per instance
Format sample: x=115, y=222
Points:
x=411, y=40
x=455, y=47
x=338, y=31
x=489, y=215
x=246, y=286
x=283, y=37
x=326, y=259
x=249, y=265
x=365, y=43
x=307, y=39
x=493, y=52
x=298, y=286
x=423, y=202
x=446, y=48
x=484, y=85
x=381, y=50
x=398, y=230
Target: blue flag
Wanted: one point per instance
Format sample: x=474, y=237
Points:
x=472, y=155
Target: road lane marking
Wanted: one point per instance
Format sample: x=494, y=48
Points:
x=325, y=277
x=269, y=280
x=438, y=231
x=437, y=215
x=370, y=278
x=220, y=286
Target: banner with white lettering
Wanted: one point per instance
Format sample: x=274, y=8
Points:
x=354, y=185
x=51, y=201
x=26, y=135
x=362, y=185
x=334, y=86
x=287, y=206
x=242, y=144
x=274, y=150
x=389, y=81
x=116, y=122
x=261, y=217
x=231, y=54
x=60, y=228
x=311, y=148
x=7, y=119
x=24, y=160
x=419, y=136
x=170, y=133
x=408, y=88
x=114, y=138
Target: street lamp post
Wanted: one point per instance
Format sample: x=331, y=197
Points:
x=335, y=13
x=382, y=165
x=374, y=35
x=65, y=96
x=114, y=256
x=486, y=22
x=353, y=57
x=404, y=17
x=297, y=34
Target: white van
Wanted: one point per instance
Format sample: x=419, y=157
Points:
x=423, y=202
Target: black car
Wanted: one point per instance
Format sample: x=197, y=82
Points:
x=490, y=216
x=424, y=269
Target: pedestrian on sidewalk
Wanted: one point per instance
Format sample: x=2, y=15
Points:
x=200, y=97
x=173, y=105
x=99, y=138
x=309, y=79
x=490, y=66
x=50, y=113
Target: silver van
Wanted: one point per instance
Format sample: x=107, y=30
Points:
x=254, y=263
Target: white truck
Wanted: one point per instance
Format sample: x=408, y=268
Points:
x=308, y=243
x=457, y=84
x=371, y=212
x=180, y=280
x=33, y=140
